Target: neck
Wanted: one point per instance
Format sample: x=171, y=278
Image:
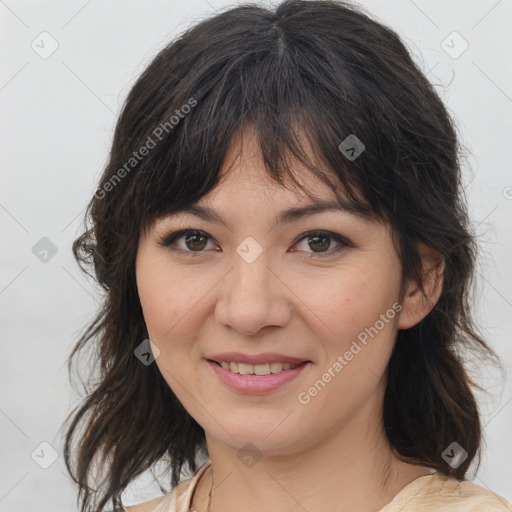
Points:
x=353, y=468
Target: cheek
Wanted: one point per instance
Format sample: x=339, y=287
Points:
x=355, y=357
x=358, y=324
x=166, y=303
x=166, y=295
x=349, y=301
x=156, y=299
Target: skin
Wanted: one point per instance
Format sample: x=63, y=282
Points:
x=331, y=453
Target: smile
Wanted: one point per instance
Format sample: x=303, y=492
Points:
x=255, y=369
x=256, y=379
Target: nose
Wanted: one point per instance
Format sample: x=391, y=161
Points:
x=253, y=296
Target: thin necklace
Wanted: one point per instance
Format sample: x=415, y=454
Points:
x=192, y=509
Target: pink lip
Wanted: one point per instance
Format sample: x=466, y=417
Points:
x=256, y=383
x=267, y=357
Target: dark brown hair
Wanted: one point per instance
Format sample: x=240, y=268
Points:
x=326, y=70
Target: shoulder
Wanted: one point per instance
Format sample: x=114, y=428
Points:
x=447, y=494
x=466, y=495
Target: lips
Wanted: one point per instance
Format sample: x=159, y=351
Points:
x=257, y=384
x=267, y=357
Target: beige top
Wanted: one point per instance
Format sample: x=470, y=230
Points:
x=430, y=493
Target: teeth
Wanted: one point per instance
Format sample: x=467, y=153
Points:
x=256, y=369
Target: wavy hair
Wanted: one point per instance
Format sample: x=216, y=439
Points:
x=321, y=69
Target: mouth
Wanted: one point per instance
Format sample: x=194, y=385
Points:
x=256, y=379
x=256, y=369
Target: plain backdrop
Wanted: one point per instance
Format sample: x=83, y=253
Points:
x=66, y=68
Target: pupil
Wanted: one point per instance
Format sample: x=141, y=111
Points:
x=195, y=236
x=320, y=237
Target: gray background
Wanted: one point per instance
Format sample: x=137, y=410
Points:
x=58, y=115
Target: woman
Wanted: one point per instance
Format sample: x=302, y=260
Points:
x=286, y=257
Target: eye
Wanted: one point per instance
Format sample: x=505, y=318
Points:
x=194, y=241
x=320, y=241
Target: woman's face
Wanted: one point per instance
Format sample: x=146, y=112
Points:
x=258, y=286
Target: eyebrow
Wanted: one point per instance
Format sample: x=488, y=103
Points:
x=286, y=216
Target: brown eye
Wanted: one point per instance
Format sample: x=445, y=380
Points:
x=320, y=242
x=194, y=241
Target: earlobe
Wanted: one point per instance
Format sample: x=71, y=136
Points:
x=416, y=305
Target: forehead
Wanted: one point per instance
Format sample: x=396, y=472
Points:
x=244, y=169
x=247, y=188
x=247, y=191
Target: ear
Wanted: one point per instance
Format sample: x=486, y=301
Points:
x=415, y=306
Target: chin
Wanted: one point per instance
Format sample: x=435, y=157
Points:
x=270, y=441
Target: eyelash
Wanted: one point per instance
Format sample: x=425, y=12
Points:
x=170, y=238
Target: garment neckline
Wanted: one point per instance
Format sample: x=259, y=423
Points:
x=192, y=488
x=422, y=480
x=418, y=484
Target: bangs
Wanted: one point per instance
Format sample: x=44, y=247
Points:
x=207, y=99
